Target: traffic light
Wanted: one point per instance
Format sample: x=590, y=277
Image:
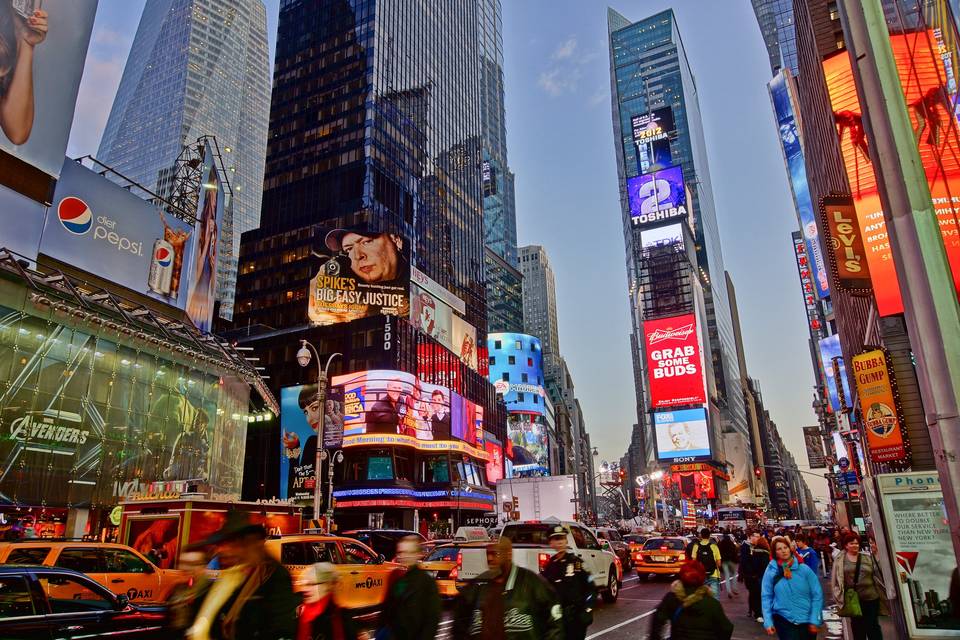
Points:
x=756, y=471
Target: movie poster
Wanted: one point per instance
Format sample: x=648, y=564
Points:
x=300, y=416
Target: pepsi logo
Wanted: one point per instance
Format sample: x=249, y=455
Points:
x=163, y=257
x=75, y=215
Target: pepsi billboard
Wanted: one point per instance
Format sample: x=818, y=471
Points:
x=657, y=196
x=101, y=228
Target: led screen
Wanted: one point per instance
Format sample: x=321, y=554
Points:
x=830, y=349
x=674, y=361
x=529, y=443
x=682, y=434
x=300, y=415
x=658, y=195
x=516, y=371
x=495, y=463
x=666, y=235
x=201, y=273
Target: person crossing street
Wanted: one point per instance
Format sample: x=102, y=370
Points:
x=706, y=552
x=574, y=587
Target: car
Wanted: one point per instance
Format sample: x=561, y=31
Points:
x=383, y=541
x=444, y=564
x=364, y=575
x=617, y=544
x=119, y=568
x=38, y=601
x=660, y=556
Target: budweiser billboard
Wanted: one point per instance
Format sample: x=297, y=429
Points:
x=674, y=361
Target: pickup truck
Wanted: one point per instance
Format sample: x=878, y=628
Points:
x=531, y=550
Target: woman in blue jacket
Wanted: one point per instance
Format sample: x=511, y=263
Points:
x=791, y=595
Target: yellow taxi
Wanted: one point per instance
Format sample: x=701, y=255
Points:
x=444, y=562
x=364, y=576
x=659, y=556
x=118, y=567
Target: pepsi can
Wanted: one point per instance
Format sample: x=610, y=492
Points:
x=161, y=268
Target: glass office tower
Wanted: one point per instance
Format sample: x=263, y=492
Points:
x=650, y=71
x=196, y=68
x=775, y=18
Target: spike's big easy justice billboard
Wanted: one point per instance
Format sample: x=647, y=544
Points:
x=674, y=361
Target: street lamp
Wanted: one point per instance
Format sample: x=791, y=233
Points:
x=303, y=358
x=655, y=477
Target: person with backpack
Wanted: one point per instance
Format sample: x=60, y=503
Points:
x=791, y=596
x=706, y=552
x=729, y=560
x=691, y=609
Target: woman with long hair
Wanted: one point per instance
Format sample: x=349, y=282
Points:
x=19, y=34
x=791, y=595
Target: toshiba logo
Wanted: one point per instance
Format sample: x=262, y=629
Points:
x=680, y=333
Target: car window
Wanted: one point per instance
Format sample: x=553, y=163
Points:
x=122, y=561
x=82, y=559
x=307, y=552
x=528, y=534
x=447, y=553
x=27, y=555
x=15, y=599
x=68, y=594
x=355, y=554
x=658, y=543
x=601, y=534
x=589, y=540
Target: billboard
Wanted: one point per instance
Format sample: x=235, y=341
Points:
x=364, y=273
x=695, y=485
x=22, y=220
x=674, y=361
x=781, y=95
x=464, y=338
x=431, y=316
x=43, y=46
x=657, y=196
x=529, y=443
x=872, y=376
x=682, y=435
x=202, y=269
x=830, y=349
x=928, y=94
x=806, y=283
x=300, y=415
x=516, y=371
x=851, y=267
x=99, y=227
x=814, y=445
x=651, y=137
x=666, y=235
x=494, y=449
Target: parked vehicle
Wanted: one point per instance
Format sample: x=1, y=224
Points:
x=49, y=602
x=444, y=562
x=617, y=544
x=660, y=556
x=119, y=568
x=537, y=498
x=383, y=541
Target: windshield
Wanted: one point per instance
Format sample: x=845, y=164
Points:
x=528, y=534
x=443, y=553
x=635, y=539
x=657, y=543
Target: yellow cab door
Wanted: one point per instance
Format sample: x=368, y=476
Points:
x=363, y=578
x=297, y=555
x=86, y=560
x=127, y=573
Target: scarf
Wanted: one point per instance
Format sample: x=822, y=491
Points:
x=313, y=610
x=785, y=567
x=689, y=598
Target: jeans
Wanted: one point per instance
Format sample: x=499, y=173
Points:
x=729, y=571
x=867, y=626
x=787, y=630
x=714, y=584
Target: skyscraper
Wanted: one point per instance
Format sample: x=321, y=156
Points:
x=196, y=68
x=540, y=305
x=775, y=18
x=655, y=94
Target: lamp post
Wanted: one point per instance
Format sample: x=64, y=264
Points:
x=303, y=358
x=655, y=477
x=337, y=457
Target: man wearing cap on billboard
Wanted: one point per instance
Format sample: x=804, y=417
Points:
x=564, y=571
x=375, y=258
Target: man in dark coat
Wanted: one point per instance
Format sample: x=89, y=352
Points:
x=573, y=585
x=691, y=609
x=412, y=607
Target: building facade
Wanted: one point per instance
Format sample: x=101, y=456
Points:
x=196, y=68
x=540, y=305
x=775, y=18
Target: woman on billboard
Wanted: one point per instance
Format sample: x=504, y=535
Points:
x=200, y=301
x=21, y=29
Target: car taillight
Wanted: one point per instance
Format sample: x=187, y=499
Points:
x=639, y=556
x=542, y=560
x=459, y=562
x=454, y=573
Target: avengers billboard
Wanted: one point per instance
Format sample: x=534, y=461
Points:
x=675, y=371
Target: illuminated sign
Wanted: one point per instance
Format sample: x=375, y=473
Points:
x=670, y=234
x=830, y=350
x=806, y=283
x=849, y=258
x=674, y=361
x=878, y=406
x=657, y=196
x=682, y=435
x=516, y=371
x=421, y=445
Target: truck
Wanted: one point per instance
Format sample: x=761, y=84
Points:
x=531, y=550
x=537, y=498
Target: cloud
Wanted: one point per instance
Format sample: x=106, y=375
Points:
x=106, y=37
x=565, y=49
x=599, y=97
x=101, y=77
x=559, y=80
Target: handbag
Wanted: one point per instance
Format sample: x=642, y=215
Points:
x=851, y=600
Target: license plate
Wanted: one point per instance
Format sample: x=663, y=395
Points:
x=661, y=558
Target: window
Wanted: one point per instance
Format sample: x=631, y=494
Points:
x=493, y=360
x=84, y=560
x=529, y=362
x=524, y=377
x=29, y=555
x=436, y=470
x=511, y=360
x=505, y=376
x=303, y=553
x=518, y=345
x=70, y=594
x=380, y=468
x=15, y=600
x=355, y=554
x=497, y=345
x=122, y=561
x=521, y=397
x=536, y=400
x=404, y=465
x=444, y=553
x=589, y=541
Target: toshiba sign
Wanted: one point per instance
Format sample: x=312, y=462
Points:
x=674, y=363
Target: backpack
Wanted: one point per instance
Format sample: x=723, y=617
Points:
x=704, y=555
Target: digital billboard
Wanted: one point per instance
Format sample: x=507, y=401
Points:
x=830, y=349
x=396, y=402
x=494, y=449
x=300, y=415
x=202, y=270
x=924, y=78
x=814, y=323
x=682, y=435
x=99, y=227
x=657, y=196
x=695, y=485
x=464, y=338
x=363, y=273
x=651, y=137
x=670, y=234
x=43, y=45
x=516, y=371
x=872, y=376
x=814, y=446
x=529, y=443
x=781, y=89
x=674, y=361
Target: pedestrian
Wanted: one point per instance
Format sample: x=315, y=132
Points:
x=858, y=570
x=185, y=599
x=691, y=609
x=706, y=552
x=507, y=602
x=411, y=610
x=573, y=584
x=253, y=596
x=729, y=558
x=808, y=554
x=752, y=568
x=791, y=596
x=320, y=616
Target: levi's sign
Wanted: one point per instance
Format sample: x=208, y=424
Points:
x=674, y=361
x=849, y=259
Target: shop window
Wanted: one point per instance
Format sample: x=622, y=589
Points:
x=380, y=468
x=435, y=469
x=403, y=465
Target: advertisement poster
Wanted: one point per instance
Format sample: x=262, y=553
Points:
x=682, y=435
x=674, y=361
x=696, y=485
x=495, y=464
x=99, y=227
x=202, y=268
x=45, y=43
x=919, y=538
x=431, y=316
x=806, y=283
x=651, y=136
x=517, y=371
x=464, y=337
x=363, y=273
x=849, y=259
x=657, y=196
x=878, y=406
x=814, y=445
x=22, y=221
x=780, y=89
x=467, y=419
x=666, y=235
x=830, y=349
x=529, y=442
x=300, y=417
x=157, y=538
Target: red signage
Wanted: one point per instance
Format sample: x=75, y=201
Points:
x=674, y=362
x=495, y=463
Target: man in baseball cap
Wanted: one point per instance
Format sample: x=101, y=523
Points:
x=374, y=257
x=573, y=584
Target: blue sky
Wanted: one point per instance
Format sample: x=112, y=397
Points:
x=560, y=142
